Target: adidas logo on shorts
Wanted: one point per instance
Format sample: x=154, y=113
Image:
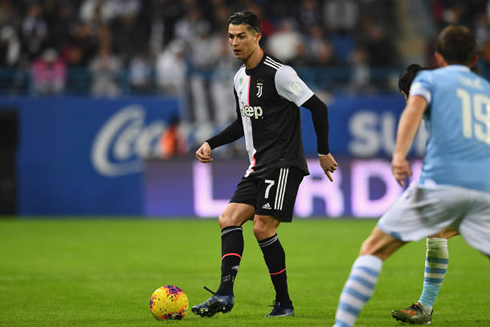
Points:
x=267, y=206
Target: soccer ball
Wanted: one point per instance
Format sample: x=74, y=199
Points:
x=169, y=303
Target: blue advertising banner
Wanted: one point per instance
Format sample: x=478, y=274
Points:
x=361, y=188
x=82, y=156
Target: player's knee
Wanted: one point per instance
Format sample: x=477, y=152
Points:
x=380, y=245
x=263, y=231
x=259, y=230
x=369, y=247
x=226, y=220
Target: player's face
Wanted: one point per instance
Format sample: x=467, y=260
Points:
x=243, y=41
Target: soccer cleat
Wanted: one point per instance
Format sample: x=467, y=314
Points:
x=279, y=310
x=213, y=305
x=414, y=315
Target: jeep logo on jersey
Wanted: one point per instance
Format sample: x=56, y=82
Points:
x=249, y=111
x=259, y=89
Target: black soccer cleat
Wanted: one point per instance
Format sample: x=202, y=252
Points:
x=413, y=315
x=213, y=305
x=280, y=310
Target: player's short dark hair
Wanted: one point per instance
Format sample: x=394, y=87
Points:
x=407, y=76
x=457, y=45
x=247, y=18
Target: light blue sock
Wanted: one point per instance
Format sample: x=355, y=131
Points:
x=436, y=263
x=358, y=289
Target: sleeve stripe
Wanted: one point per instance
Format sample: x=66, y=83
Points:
x=272, y=62
x=270, y=65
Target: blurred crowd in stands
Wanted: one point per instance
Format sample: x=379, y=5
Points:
x=174, y=47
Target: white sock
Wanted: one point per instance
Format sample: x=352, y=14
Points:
x=436, y=263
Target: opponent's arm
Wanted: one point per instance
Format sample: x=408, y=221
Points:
x=407, y=128
x=319, y=113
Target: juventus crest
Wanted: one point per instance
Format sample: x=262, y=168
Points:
x=260, y=85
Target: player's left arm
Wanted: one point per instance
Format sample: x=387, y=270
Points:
x=292, y=88
x=407, y=129
x=319, y=113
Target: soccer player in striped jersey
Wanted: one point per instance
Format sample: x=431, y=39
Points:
x=268, y=95
x=437, y=255
x=454, y=187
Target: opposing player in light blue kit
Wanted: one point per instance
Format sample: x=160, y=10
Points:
x=454, y=187
x=437, y=254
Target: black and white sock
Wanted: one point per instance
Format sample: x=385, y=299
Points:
x=231, y=255
x=275, y=259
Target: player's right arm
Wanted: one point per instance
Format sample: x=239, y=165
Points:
x=407, y=128
x=230, y=134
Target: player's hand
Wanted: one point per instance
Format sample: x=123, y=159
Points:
x=203, y=154
x=329, y=165
x=400, y=169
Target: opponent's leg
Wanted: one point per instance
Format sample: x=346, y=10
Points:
x=364, y=275
x=275, y=258
x=234, y=216
x=436, y=263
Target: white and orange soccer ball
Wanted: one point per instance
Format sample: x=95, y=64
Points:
x=169, y=303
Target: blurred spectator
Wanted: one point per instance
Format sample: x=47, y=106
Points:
x=20, y=83
x=93, y=10
x=284, y=43
x=80, y=48
x=9, y=46
x=203, y=55
x=171, y=69
x=140, y=73
x=361, y=75
x=341, y=16
x=222, y=95
x=128, y=37
x=48, y=74
x=62, y=26
x=309, y=14
x=105, y=69
x=320, y=51
x=173, y=141
x=34, y=31
x=380, y=48
x=190, y=25
x=483, y=64
x=482, y=29
x=127, y=8
x=158, y=31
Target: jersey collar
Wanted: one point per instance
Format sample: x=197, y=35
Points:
x=458, y=68
x=249, y=71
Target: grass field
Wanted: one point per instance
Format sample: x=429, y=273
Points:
x=101, y=272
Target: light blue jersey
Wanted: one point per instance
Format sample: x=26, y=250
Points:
x=458, y=123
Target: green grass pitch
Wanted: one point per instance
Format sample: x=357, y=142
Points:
x=101, y=272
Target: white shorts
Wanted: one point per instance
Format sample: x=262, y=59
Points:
x=424, y=210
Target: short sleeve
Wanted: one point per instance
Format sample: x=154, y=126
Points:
x=291, y=87
x=423, y=86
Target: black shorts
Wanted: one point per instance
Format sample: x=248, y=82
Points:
x=272, y=194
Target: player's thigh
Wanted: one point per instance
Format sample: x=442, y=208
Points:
x=236, y=214
x=277, y=193
x=423, y=211
x=475, y=227
x=446, y=233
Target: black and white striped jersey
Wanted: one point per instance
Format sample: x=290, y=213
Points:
x=268, y=100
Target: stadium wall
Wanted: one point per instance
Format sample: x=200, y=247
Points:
x=85, y=156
